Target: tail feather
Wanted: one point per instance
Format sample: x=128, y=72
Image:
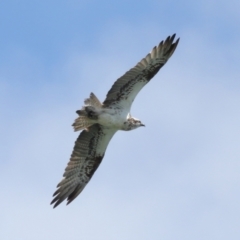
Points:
x=93, y=101
x=88, y=114
x=81, y=123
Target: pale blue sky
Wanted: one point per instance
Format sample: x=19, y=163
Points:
x=178, y=178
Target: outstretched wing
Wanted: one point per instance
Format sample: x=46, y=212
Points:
x=125, y=89
x=87, y=155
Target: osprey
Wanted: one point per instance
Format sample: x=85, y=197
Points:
x=100, y=121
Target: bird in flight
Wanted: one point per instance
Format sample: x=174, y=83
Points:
x=100, y=121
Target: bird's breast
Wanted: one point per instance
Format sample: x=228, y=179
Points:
x=112, y=119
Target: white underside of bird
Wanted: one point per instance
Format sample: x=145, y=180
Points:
x=100, y=121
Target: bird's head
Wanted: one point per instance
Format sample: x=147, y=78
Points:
x=132, y=123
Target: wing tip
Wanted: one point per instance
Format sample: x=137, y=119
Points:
x=55, y=203
x=166, y=48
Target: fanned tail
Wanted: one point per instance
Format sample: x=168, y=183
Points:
x=88, y=115
x=81, y=123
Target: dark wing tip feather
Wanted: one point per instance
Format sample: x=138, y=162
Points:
x=56, y=201
x=60, y=195
x=173, y=45
x=172, y=37
x=74, y=194
x=169, y=46
x=56, y=192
